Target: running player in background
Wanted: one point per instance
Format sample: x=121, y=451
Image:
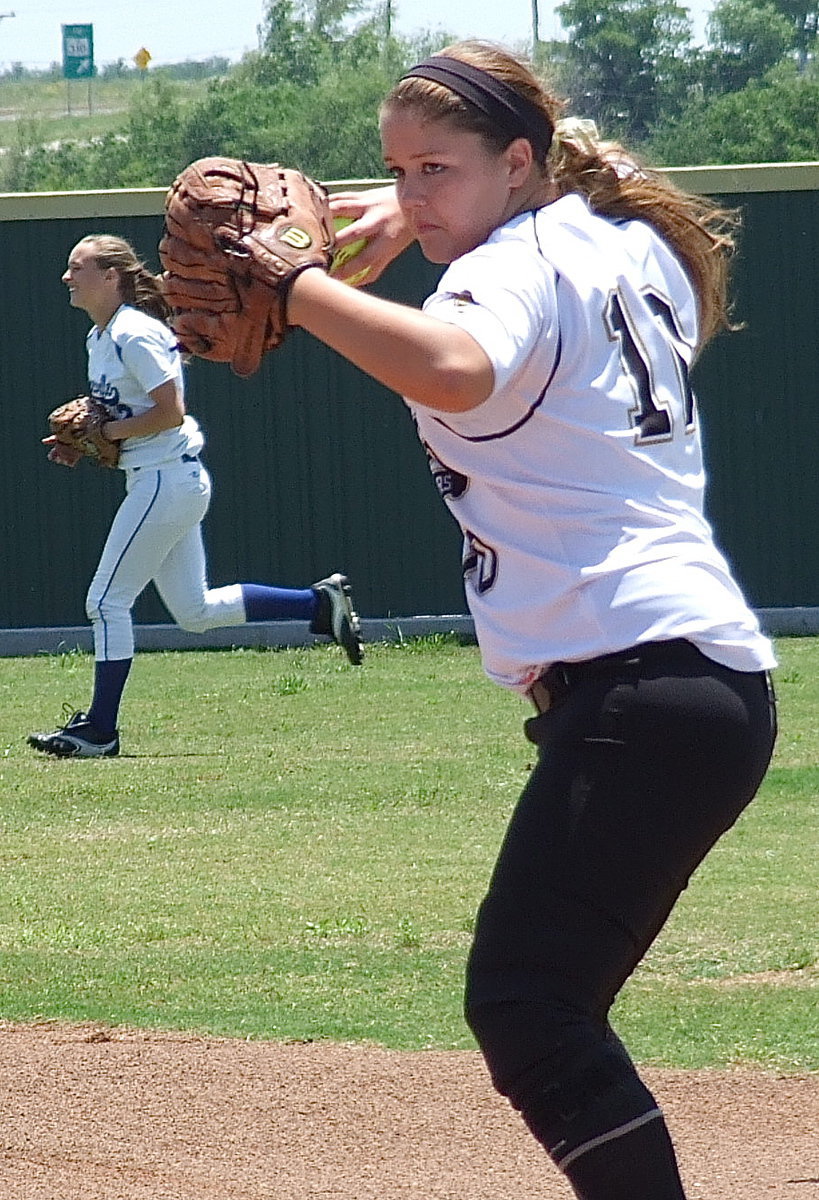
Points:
x=135, y=369
x=548, y=376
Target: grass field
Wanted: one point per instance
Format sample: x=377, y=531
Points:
x=292, y=848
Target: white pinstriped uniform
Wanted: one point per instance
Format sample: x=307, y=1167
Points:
x=156, y=532
x=579, y=482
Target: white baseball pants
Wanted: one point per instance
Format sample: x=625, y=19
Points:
x=156, y=535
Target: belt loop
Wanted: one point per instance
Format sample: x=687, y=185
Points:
x=539, y=695
x=552, y=687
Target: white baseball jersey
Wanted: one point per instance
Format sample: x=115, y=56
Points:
x=134, y=354
x=578, y=483
x=156, y=532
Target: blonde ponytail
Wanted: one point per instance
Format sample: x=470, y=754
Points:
x=137, y=285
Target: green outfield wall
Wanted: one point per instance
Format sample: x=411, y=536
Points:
x=317, y=468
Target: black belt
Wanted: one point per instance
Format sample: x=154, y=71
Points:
x=185, y=458
x=558, y=680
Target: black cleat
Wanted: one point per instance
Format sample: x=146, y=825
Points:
x=76, y=739
x=336, y=617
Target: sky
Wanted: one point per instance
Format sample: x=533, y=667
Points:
x=176, y=30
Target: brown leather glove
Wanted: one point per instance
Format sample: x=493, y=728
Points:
x=78, y=424
x=236, y=236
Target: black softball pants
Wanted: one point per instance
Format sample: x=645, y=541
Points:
x=647, y=760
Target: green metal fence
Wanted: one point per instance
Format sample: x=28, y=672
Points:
x=317, y=468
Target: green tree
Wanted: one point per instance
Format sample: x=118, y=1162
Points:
x=298, y=38
x=804, y=18
x=288, y=49
x=308, y=97
x=772, y=120
x=746, y=38
x=328, y=126
x=154, y=134
x=31, y=166
x=630, y=60
x=147, y=153
x=116, y=70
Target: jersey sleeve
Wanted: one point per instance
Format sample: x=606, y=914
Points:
x=505, y=298
x=149, y=355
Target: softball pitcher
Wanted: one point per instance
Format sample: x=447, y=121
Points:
x=549, y=380
x=135, y=369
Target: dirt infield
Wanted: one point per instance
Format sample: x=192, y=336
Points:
x=92, y=1114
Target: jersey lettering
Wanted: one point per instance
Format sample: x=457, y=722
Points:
x=104, y=390
x=665, y=311
x=450, y=484
x=655, y=420
x=108, y=394
x=480, y=563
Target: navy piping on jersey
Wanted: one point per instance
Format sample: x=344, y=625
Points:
x=491, y=437
x=124, y=551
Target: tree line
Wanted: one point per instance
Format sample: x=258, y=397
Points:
x=309, y=95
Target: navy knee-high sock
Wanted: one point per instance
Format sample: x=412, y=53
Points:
x=278, y=604
x=109, y=684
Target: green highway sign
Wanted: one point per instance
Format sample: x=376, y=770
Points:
x=78, y=51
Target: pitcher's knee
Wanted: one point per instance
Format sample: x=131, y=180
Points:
x=521, y=1041
x=557, y=1067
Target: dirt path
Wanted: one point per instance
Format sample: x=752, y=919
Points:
x=98, y=1115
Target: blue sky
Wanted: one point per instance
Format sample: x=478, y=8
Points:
x=175, y=30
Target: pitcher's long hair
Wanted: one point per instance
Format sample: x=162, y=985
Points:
x=700, y=233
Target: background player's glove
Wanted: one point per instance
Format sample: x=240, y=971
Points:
x=236, y=236
x=77, y=425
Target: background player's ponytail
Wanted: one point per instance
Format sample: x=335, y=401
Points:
x=138, y=286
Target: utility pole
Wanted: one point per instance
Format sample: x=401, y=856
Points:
x=535, y=27
x=3, y=16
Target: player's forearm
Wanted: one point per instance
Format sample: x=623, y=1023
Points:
x=168, y=412
x=143, y=425
x=426, y=360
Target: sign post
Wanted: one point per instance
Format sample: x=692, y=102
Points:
x=78, y=57
x=142, y=58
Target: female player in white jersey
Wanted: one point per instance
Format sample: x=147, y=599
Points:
x=548, y=378
x=135, y=369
